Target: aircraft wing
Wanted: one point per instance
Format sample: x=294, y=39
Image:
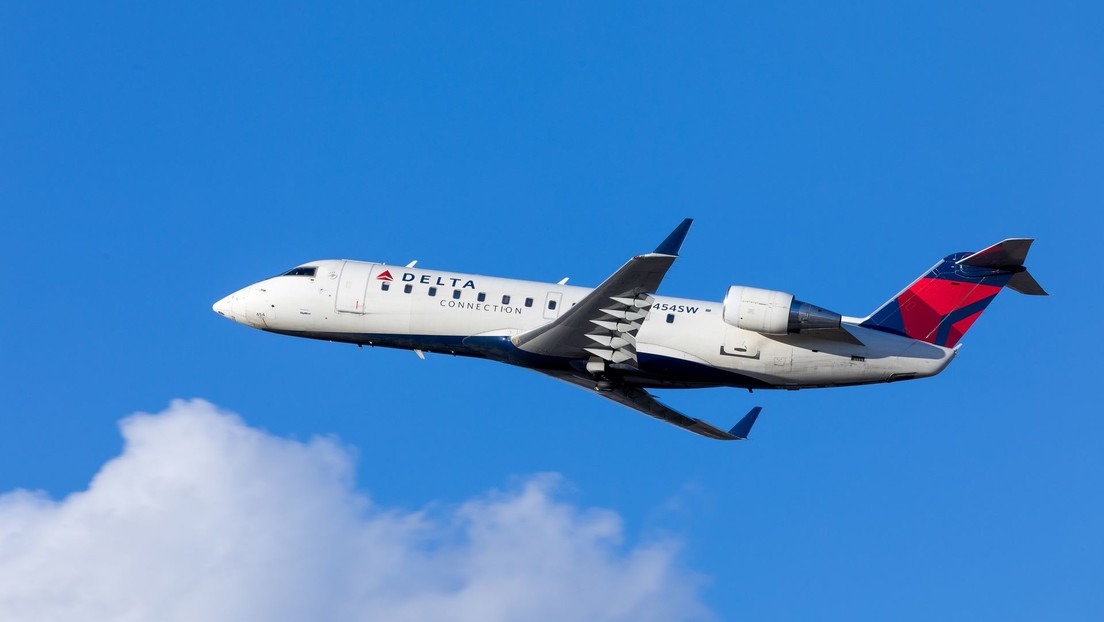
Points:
x=642, y=401
x=604, y=323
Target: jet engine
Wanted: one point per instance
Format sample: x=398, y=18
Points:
x=774, y=313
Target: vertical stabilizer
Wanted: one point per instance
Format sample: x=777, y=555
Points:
x=941, y=305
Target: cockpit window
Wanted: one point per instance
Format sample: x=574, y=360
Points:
x=301, y=271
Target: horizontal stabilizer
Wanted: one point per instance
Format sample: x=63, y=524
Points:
x=1004, y=254
x=1024, y=283
x=1008, y=255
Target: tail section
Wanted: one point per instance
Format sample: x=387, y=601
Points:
x=944, y=302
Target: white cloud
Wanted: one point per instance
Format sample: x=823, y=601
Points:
x=203, y=518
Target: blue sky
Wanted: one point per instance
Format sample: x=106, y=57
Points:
x=156, y=158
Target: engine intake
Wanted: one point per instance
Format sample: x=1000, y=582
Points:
x=774, y=313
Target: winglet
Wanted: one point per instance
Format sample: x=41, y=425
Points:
x=673, y=243
x=742, y=428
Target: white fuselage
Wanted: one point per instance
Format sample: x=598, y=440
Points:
x=681, y=343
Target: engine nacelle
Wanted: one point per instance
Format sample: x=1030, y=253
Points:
x=774, y=313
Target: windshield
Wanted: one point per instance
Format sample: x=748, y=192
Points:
x=301, y=271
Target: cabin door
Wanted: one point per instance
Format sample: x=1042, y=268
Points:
x=351, y=286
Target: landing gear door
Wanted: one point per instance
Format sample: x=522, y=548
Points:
x=351, y=286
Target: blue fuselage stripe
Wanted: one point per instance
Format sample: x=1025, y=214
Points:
x=655, y=371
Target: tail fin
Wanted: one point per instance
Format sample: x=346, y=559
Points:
x=941, y=305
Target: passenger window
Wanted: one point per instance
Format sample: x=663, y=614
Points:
x=551, y=305
x=384, y=285
x=456, y=294
x=408, y=288
x=670, y=318
x=481, y=297
x=506, y=300
x=528, y=302
x=433, y=291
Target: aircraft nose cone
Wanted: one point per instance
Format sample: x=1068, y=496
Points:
x=222, y=307
x=236, y=306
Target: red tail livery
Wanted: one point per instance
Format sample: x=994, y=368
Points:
x=941, y=305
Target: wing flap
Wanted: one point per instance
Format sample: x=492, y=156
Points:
x=644, y=402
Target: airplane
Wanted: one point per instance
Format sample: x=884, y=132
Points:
x=622, y=338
